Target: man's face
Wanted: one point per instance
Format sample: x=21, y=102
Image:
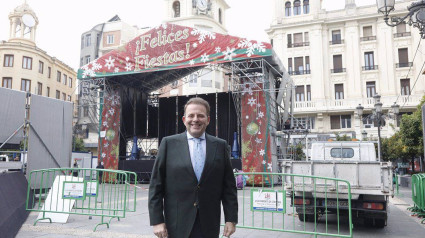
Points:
x=195, y=119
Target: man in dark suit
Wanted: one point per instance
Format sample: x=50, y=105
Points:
x=192, y=175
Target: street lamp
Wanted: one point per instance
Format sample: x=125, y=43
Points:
x=378, y=117
x=416, y=14
x=364, y=135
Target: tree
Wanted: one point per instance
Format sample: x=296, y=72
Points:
x=78, y=144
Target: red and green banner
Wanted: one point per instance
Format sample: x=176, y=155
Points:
x=170, y=46
x=109, y=142
x=256, y=153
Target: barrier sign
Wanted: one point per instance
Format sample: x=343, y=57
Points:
x=268, y=200
x=73, y=190
x=91, y=188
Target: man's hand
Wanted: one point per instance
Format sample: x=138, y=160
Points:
x=229, y=229
x=160, y=230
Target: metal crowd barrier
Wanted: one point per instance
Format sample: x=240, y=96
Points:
x=418, y=195
x=293, y=203
x=93, y=192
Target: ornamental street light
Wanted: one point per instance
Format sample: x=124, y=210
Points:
x=364, y=135
x=415, y=17
x=378, y=117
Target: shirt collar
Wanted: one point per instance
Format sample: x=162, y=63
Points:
x=189, y=136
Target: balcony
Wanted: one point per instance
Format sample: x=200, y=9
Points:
x=401, y=34
x=335, y=71
x=299, y=72
x=370, y=67
x=367, y=38
x=404, y=65
x=299, y=44
x=336, y=42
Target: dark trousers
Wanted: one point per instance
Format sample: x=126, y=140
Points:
x=196, y=229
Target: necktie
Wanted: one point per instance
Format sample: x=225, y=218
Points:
x=198, y=158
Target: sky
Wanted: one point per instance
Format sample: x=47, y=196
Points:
x=61, y=22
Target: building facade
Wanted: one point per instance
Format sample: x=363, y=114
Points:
x=206, y=15
x=342, y=58
x=28, y=68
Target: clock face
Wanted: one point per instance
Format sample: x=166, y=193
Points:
x=202, y=5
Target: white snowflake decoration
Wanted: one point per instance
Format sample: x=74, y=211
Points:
x=260, y=114
x=105, y=123
x=251, y=101
x=109, y=63
x=106, y=145
x=195, y=45
x=191, y=62
x=217, y=49
x=88, y=72
x=263, y=162
x=258, y=140
x=127, y=58
x=116, y=70
x=229, y=53
x=202, y=35
x=111, y=111
x=269, y=167
x=247, y=117
x=95, y=66
x=251, y=47
x=103, y=155
x=204, y=57
x=128, y=66
x=262, y=152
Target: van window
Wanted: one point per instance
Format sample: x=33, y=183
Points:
x=342, y=153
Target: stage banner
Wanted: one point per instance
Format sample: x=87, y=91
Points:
x=255, y=116
x=170, y=46
x=109, y=132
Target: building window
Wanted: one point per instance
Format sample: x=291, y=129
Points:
x=193, y=80
x=290, y=66
x=26, y=62
x=403, y=58
x=69, y=98
x=405, y=87
x=308, y=89
x=26, y=85
x=58, y=94
x=304, y=122
x=339, y=91
x=299, y=65
x=368, y=122
x=299, y=93
x=85, y=111
x=336, y=37
x=8, y=61
x=337, y=64
x=289, y=37
x=40, y=67
x=63, y=96
x=369, y=63
x=49, y=72
x=288, y=9
x=70, y=82
x=401, y=30
x=307, y=65
x=306, y=7
x=88, y=40
x=65, y=79
x=39, y=88
x=7, y=83
x=176, y=8
x=297, y=7
x=48, y=92
x=110, y=39
x=298, y=39
x=87, y=59
x=58, y=76
x=370, y=89
x=340, y=122
x=220, y=16
x=367, y=34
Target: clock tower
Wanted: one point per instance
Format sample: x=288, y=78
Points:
x=203, y=14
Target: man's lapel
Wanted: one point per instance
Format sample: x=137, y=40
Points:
x=184, y=154
x=210, y=155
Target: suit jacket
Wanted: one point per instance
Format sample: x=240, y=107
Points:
x=175, y=194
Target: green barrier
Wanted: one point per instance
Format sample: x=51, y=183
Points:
x=273, y=201
x=418, y=195
x=93, y=192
